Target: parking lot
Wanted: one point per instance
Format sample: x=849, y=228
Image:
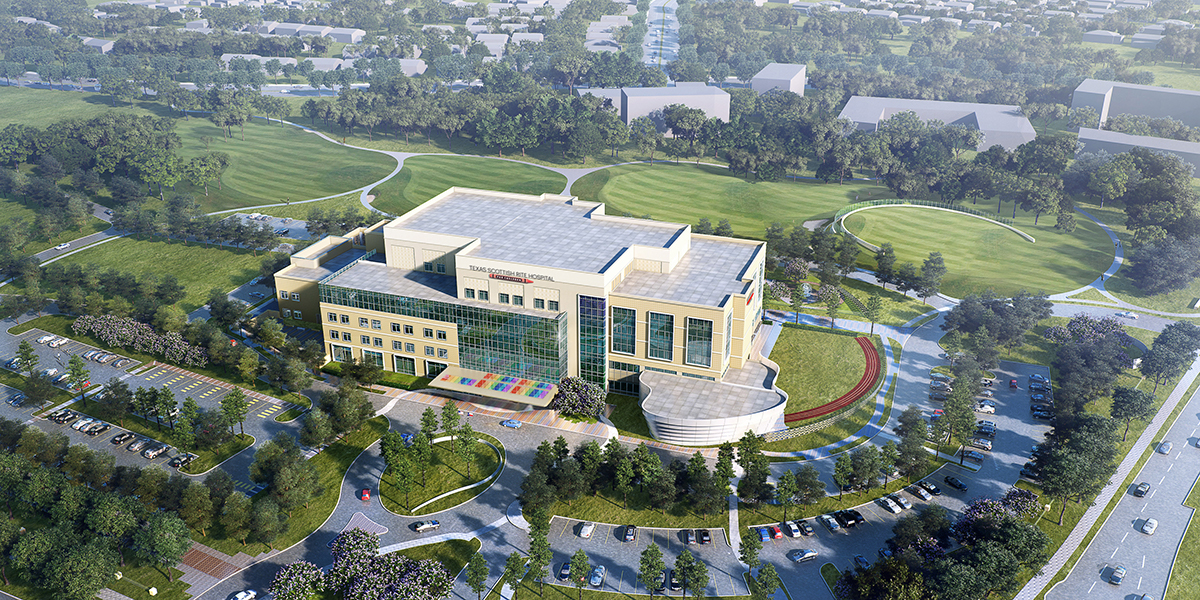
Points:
x=56, y=358
x=622, y=559
x=292, y=229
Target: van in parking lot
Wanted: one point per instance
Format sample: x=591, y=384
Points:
x=138, y=445
x=45, y=338
x=153, y=453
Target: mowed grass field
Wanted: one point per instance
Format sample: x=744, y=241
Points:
x=686, y=193
x=39, y=108
x=816, y=367
x=276, y=163
x=199, y=268
x=424, y=177
x=11, y=210
x=980, y=255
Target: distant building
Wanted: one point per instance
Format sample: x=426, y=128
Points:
x=1001, y=124
x=1115, y=98
x=1146, y=40
x=1112, y=142
x=1101, y=36
x=640, y=102
x=780, y=76
x=346, y=35
x=99, y=45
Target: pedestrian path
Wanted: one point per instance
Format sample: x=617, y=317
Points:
x=543, y=417
x=204, y=567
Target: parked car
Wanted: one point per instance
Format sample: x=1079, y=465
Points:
x=564, y=571
x=764, y=535
x=51, y=372
x=1164, y=448
x=776, y=532
x=138, y=445
x=366, y=495
x=585, y=531
x=630, y=533
x=246, y=595
x=99, y=430
x=82, y=423
x=597, y=578
x=919, y=492
x=793, y=529
x=423, y=526
x=972, y=455
x=930, y=487
x=829, y=522
x=153, y=453
x=44, y=339
x=805, y=528
x=802, y=555
x=991, y=424
x=1142, y=489
x=121, y=364
x=885, y=553
x=985, y=431
x=955, y=483
x=862, y=562
x=1039, y=387
x=1038, y=378
x=1039, y=398
x=982, y=443
x=108, y=358
x=59, y=342
x=661, y=584
x=941, y=377
x=676, y=584
x=511, y=423
x=1043, y=415
x=1031, y=474
x=66, y=418
x=689, y=536
x=887, y=503
x=706, y=537
x=985, y=409
x=987, y=394
x=182, y=460
x=1012, y=383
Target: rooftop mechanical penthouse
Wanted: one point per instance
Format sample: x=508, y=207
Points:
x=500, y=295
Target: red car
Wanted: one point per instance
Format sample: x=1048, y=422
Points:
x=1012, y=383
x=366, y=495
x=776, y=533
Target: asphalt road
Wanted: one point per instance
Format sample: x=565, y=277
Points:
x=1148, y=558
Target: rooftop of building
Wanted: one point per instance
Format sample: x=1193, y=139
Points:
x=330, y=266
x=1145, y=141
x=1101, y=86
x=743, y=391
x=997, y=117
x=558, y=234
x=780, y=71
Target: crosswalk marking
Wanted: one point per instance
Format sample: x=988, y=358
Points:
x=269, y=411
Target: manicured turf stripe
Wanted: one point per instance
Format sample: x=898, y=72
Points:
x=864, y=385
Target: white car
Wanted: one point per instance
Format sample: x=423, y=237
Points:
x=63, y=246
x=246, y=595
x=889, y=505
x=45, y=338
x=587, y=529
x=81, y=423
x=901, y=500
x=1149, y=526
x=1128, y=314
x=793, y=529
x=985, y=409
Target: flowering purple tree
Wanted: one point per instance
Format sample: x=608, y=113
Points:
x=1021, y=502
x=124, y=332
x=579, y=398
x=1086, y=329
x=360, y=573
x=928, y=548
x=297, y=581
x=980, y=514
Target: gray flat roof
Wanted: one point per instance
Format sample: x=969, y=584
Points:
x=1101, y=86
x=780, y=71
x=707, y=275
x=1004, y=123
x=326, y=269
x=678, y=397
x=536, y=232
x=1144, y=141
x=374, y=276
x=678, y=90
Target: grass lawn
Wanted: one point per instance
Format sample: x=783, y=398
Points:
x=607, y=508
x=1178, y=301
x=750, y=515
x=61, y=325
x=898, y=309
x=859, y=417
x=198, y=267
x=897, y=349
x=300, y=211
x=275, y=163
x=11, y=210
x=1092, y=294
x=39, y=108
x=831, y=575
x=980, y=255
x=1185, y=575
x=628, y=417
x=206, y=457
x=816, y=367
x=447, y=471
x=424, y=177
x=686, y=193
x=137, y=577
x=331, y=464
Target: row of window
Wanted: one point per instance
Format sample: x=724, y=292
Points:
x=397, y=345
x=293, y=296
x=482, y=296
x=396, y=327
x=292, y=314
x=401, y=364
x=435, y=267
x=660, y=336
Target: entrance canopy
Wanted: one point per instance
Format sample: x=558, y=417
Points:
x=495, y=386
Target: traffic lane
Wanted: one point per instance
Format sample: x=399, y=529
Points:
x=77, y=244
x=1120, y=540
x=622, y=559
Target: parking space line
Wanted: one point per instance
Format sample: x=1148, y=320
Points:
x=566, y=522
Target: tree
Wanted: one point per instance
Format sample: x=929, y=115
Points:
x=624, y=479
x=1129, y=404
x=810, y=489
x=196, y=507
x=1172, y=352
x=873, y=309
x=316, y=429
x=662, y=489
x=429, y=423
x=450, y=419
x=646, y=135
x=932, y=272
x=234, y=408
x=651, y=569
x=1070, y=475
x=695, y=573
x=580, y=568
x=514, y=570
x=1164, y=265
x=77, y=373
x=843, y=472
x=27, y=358
x=748, y=550
x=164, y=539
x=786, y=490
x=768, y=581
x=235, y=517
x=477, y=572
x=866, y=465
x=266, y=523
x=889, y=458
x=422, y=452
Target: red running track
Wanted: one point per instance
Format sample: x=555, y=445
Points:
x=864, y=385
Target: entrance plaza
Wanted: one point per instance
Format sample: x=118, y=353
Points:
x=501, y=295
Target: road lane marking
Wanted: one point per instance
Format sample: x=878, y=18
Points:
x=1114, y=552
x=1143, y=561
x=1126, y=535
x=1168, y=469
x=1091, y=588
x=1139, y=583
x=1152, y=493
x=1162, y=479
x=564, y=527
x=1143, y=508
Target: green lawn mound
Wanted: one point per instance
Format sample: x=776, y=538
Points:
x=424, y=177
x=446, y=472
x=686, y=193
x=223, y=267
x=816, y=367
x=980, y=255
x=610, y=507
x=276, y=163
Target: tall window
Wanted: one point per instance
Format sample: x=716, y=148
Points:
x=699, y=342
x=728, y=334
x=342, y=353
x=593, y=341
x=404, y=364
x=661, y=336
x=624, y=330
x=373, y=358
